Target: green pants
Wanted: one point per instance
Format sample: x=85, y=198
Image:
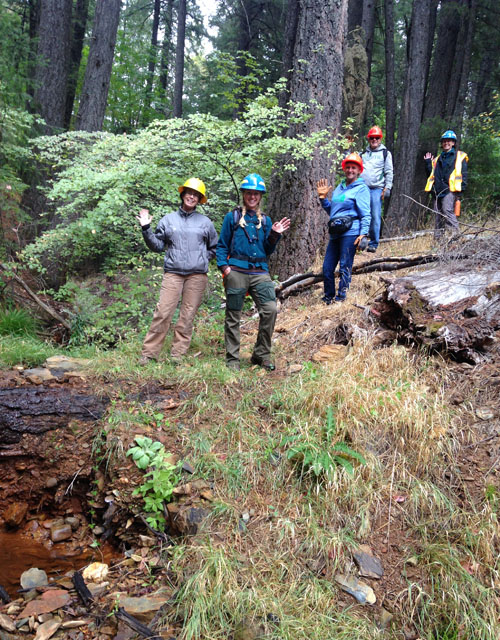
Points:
x=261, y=288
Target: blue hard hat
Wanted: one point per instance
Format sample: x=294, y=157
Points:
x=449, y=135
x=254, y=182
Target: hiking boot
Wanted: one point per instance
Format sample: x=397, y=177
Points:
x=327, y=299
x=265, y=364
x=371, y=249
x=144, y=360
x=233, y=364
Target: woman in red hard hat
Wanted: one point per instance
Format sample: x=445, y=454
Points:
x=349, y=211
x=188, y=239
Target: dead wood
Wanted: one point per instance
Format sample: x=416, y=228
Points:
x=82, y=589
x=137, y=626
x=35, y=298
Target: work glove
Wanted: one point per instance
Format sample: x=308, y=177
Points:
x=324, y=189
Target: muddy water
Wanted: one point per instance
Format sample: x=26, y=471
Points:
x=19, y=553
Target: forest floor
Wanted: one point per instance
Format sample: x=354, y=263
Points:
x=263, y=527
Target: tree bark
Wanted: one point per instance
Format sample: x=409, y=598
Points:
x=53, y=62
x=179, y=59
x=317, y=73
x=390, y=83
x=355, y=14
x=151, y=63
x=291, y=26
x=79, y=27
x=34, y=24
x=166, y=50
x=94, y=96
x=444, y=55
x=483, y=88
x=399, y=216
x=457, y=106
x=368, y=24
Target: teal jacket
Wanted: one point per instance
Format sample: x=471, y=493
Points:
x=249, y=247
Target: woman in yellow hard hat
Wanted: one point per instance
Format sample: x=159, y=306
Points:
x=188, y=239
x=349, y=224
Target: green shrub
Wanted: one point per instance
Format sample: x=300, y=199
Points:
x=17, y=322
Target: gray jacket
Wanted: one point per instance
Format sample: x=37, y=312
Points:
x=377, y=172
x=188, y=239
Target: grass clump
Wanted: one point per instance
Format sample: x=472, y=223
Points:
x=16, y=322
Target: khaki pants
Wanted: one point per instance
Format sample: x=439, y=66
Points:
x=191, y=288
x=261, y=288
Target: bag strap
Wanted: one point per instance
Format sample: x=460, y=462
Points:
x=237, y=213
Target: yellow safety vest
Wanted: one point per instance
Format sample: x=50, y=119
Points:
x=455, y=181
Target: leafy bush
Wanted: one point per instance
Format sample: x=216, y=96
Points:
x=101, y=180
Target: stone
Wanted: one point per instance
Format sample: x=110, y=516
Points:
x=15, y=514
x=385, y=618
x=49, y=601
x=363, y=593
x=245, y=517
x=60, y=365
x=294, y=368
x=96, y=572
x=47, y=629
x=74, y=624
x=38, y=375
x=368, y=564
x=330, y=352
x=58, y=533
x=186, y=519
x=6, y=623
x=73, y=522
x=33, y=578
x=98, y=531
x=143, y=607
x=51, y=483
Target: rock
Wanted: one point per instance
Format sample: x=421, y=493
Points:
x=294, y=368
x=62, y=365
x=38, y=375
x=58, y=533
x=485, y=413
x=245, y=517
x=33, y=578
x=49, y=601
x=368, y=564
x=15, y=514
x=361, y=591
x=187, y=467
x=143, y=607
x=6, y=623
x=186, y=519
x=385, y=618
x=98, y=531
x=330, y=352
x=74, y=624
x=47, y=629
x=51, y=483
x=95, y=572
x=73, y=522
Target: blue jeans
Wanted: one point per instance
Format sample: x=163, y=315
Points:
x=340, y=250
x=376, y=211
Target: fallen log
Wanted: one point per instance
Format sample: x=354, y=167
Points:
x=445, y=309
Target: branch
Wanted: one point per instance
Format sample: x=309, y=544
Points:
x=33, y=295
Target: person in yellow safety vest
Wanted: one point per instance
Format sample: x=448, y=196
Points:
x=447, y=180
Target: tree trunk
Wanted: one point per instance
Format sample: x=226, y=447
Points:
x=94, y=97
x=444, y=55
x=79, y=27
x=291, y=26
x=355, y=14
x=317, y=73
x=457, y=107
x=399, y=215
x=390, y=84
x=483, y=88
x=368, y=24
x=152, y=63
x=34, y=24
x=166, y=50
x=53, y=62
x=179, y=59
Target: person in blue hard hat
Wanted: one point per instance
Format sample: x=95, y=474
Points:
x=447, y=180
x=246, y=240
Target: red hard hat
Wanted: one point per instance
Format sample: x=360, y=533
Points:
x=375, y=132
x=353, y=157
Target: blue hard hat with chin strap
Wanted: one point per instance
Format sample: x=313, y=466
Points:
x=449, y=135
x=253, y=182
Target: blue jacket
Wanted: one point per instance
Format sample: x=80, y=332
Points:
x=351, y=200
x=246, y=248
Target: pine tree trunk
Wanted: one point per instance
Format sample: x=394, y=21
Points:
x=167, y=20
x=179, y=59
x=355, y=14
x=368, y=24
x=317, y=73
x=390, y=84
x=459, y=104
x=94, y=97
x=399, y=216
x=79, y=27
x=51, y=74
x=151, y=63
x=34, y=24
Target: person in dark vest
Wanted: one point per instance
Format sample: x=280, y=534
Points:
x=246, y=240
x=188, y=239
x=447, y=181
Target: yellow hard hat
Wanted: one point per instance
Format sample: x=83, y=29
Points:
x=196, y=184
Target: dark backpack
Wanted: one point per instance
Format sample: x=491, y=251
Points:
x=236, y=220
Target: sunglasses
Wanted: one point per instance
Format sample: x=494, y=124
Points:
x=374, y=138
